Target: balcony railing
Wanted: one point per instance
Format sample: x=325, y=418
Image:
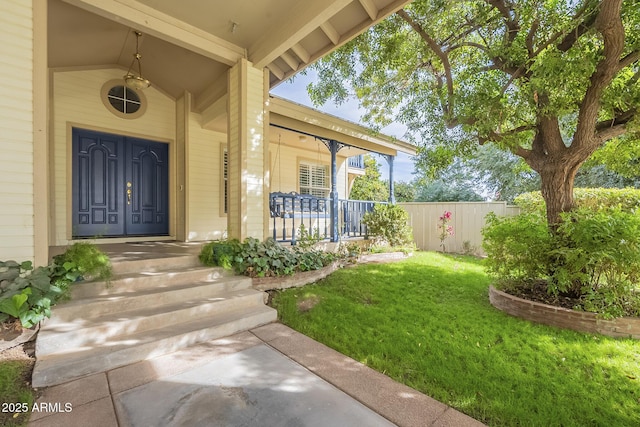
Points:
x=356, y=162
x=291, y=210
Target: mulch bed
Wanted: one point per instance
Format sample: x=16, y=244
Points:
x=537, y=292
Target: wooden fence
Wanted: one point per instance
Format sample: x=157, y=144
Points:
x=467, y=219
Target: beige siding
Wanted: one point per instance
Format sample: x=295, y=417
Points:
x=203, y=183
x=247, y=148
x=256, y=150
x=16, y=138
x=467, y=221
x=77, y=102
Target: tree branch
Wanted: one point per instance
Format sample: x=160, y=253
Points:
x=444, y=58
x=530, y=35
x=511, y=22
x=609, y=24
x=608, y=129
x=585, y=25
x=629, y=59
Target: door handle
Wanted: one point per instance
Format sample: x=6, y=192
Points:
x=129, y=192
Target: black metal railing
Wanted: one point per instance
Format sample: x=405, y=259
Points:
x=356, y=162
x=291, y=210
x=352, y=212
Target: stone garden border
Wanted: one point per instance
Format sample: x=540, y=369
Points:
x=300, y=279
x=581, y=321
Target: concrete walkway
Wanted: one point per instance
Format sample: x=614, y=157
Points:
x=269, y=376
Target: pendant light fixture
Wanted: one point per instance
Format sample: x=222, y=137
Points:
x=132, y=80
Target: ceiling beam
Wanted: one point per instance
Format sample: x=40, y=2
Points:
x=370, y=8
x=331, y=32
x=301, y=52
x=305, y=17
x=165, y=27
x=290, y=60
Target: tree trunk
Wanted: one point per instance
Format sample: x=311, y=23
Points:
x=557, y=190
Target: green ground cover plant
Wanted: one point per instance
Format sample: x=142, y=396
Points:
x=427, y=322
x=264, y=259
x=27, y=293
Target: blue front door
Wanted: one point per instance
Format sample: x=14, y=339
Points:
x=120, y=185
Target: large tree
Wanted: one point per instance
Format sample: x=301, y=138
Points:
x=549, y=80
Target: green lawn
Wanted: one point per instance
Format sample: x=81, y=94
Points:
x=427, y=322
x=15, y=392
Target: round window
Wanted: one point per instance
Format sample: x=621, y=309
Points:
x=123, y=101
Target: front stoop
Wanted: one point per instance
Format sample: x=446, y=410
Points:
x=150, y=308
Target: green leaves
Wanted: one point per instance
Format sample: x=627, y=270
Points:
x=389, y=224
x=594, y=255
x=263, y=259
x=28, y=294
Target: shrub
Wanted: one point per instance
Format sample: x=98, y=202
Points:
x=81, y=261
x=627, y=199
x=28, y=294
x=220, y=253
x=598, y=258
x=263, y=259
x=517, y=248
x=390, y=224
x=594, y=256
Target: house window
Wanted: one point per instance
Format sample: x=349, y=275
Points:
x=123, y=101
x=313, y=180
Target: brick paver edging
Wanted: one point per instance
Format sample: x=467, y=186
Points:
x=623, y=327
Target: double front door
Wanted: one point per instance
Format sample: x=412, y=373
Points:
x=120, y=185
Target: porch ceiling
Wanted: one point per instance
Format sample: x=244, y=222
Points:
x=189, y=45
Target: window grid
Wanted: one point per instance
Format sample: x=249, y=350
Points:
x=124, y=99
x=313, y=180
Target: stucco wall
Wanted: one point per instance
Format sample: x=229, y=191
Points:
x=16, y=138
x=77, y=102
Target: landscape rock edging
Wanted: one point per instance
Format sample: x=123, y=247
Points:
x=581, y=321
x=303, y=278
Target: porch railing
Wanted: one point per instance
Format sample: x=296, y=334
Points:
x=291, y=210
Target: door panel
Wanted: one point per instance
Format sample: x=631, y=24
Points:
x=120, y=185
x=148, y=172
x=98, y=174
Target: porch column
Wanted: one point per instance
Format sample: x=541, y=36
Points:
x=334, y=146
x=392, y=195
x=247, y=147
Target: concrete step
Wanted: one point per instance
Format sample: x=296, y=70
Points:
x=90, y=308
x=147, y=279
x=59, y=368
x=58, y=336
x=153, y=262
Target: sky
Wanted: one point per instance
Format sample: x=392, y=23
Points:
x=296, y=91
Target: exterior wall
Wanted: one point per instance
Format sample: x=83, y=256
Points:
x=206, y=217
x=17, y=232
x=467, y=221
x=77, y=102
